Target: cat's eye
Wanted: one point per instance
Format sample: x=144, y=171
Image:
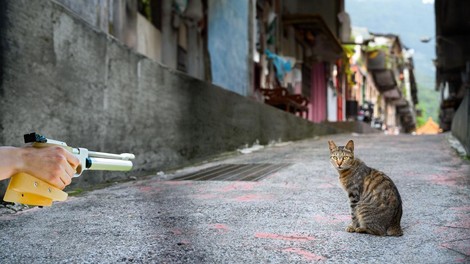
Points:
x=334, y=157
x=345, y=158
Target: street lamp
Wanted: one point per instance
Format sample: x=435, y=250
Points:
x=426, y=39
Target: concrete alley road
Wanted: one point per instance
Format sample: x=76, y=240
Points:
x=295, y=215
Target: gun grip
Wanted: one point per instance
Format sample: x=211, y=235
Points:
x=26, y=189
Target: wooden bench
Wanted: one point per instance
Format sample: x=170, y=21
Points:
x=280, y=98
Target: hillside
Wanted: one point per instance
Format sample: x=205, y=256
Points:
x=411, y=20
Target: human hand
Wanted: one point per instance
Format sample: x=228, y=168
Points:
x=54, y=165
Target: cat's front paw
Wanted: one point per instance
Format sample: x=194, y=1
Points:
x=361, y=230
x=350, y=229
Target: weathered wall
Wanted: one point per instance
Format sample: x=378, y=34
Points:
x=70, y=82
x=228, y=44
x=461, y=122
x=94, y=12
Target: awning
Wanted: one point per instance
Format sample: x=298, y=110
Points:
x=401, y=102
x=393, y=94
x=317, y=34
x=386, y=84
x=406, y=110
x=376, y=60
x=384, y=80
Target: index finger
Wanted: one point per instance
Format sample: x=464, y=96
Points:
x=72, y=160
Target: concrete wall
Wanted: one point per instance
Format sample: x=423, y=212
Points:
x=228, y=44
x=70, y=82
x=95, y=12
x=461, y=122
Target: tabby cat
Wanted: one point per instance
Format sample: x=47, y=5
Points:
x=376, y=206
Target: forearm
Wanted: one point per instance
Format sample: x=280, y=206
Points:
x=10, y=161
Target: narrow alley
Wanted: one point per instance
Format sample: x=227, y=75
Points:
x=295, y=215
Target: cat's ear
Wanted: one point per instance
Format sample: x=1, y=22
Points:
x=350, y=146
x=332, y=145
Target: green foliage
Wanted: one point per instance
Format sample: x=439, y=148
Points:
x=404, y=91
x=429, y=103
x=384, y=47
x=75, y=192
x=349, y=49
x=420, y=120
x=146, y=10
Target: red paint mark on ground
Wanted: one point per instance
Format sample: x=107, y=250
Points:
x=463, y=222
x=342, y=217
x=305, y=254
x=177, y=231
x=443, y=180
x=451, y=177
x=326, y=185
x=321, y=219
x=284, y=237
x=336, y=218
x=220, y=227
x=149, y=189
x=17, y=214
x=204, y=196
x=441, y=230
x=462, y=208
x=177, y=183
x=252, y=197
x=462, y=246
x=292, y=186
x=145, y=189
x=246, y=186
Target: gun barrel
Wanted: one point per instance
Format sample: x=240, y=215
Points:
x=122, y=156
x=108, y=164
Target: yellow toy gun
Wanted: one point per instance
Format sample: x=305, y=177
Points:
x=26, y=189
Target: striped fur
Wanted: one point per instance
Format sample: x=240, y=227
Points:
x=376, y=206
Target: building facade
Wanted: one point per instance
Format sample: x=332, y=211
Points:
x=294, y=55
